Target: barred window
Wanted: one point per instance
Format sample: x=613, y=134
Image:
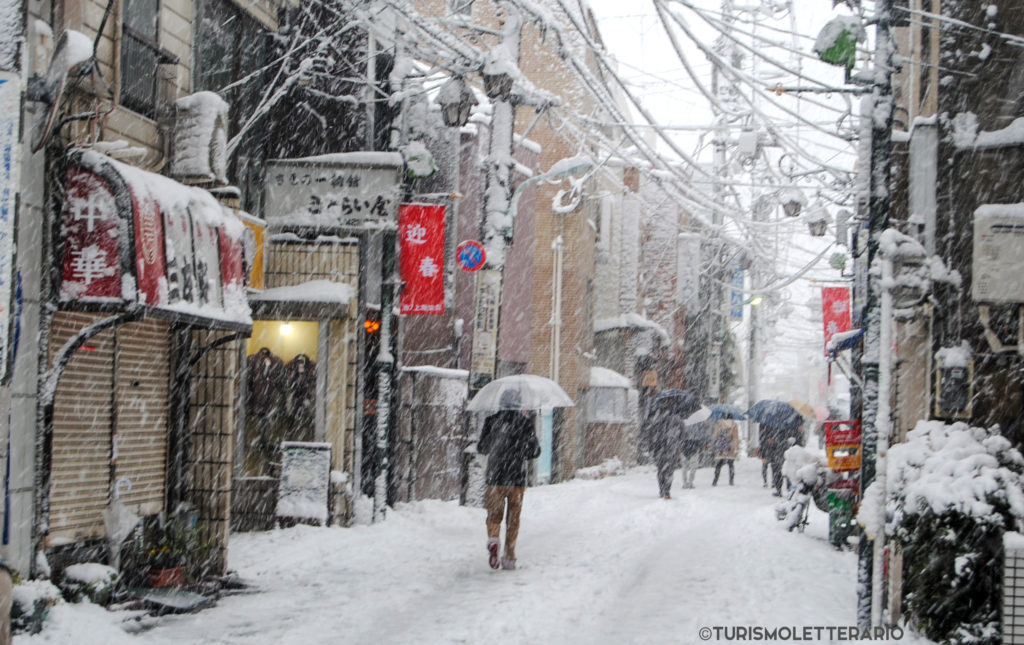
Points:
x=141, y=55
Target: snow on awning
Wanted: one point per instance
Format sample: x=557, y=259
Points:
x=604, y=377
x=312, y=299
x=133, y=237
x=635, y=321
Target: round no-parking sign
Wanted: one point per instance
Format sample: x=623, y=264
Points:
x=470, y=256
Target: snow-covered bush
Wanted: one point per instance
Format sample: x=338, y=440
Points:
x=31, y=604
x=609, y=467
x=952, y=491
x=92, y=580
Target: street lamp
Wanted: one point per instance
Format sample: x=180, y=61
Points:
x=456, y=100
x=817, y=221
x=792, y=201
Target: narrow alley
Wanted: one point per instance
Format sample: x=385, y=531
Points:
x=601, y=561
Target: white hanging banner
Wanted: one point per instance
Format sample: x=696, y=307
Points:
x=10, y=161
x=688, y=270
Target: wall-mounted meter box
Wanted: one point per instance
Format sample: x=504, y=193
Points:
x=954, y=389
x=998, y=258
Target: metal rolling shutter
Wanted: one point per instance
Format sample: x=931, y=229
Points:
x=142, y=382
x=81, y=432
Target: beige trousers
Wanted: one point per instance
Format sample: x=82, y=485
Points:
x=496, y=507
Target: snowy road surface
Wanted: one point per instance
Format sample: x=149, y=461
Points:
x=603, y=561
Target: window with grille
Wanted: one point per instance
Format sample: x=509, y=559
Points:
x=141, y=56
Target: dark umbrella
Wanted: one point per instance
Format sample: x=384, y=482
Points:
x=726, y=411
x=777, y=414
x=685, y=402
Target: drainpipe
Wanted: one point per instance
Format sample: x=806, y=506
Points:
x=882, y=428
x=557, y=249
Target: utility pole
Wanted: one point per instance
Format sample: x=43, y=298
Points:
x=498, y=75
x=878, y=221
x=726, y=94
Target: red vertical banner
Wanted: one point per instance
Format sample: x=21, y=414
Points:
x=835, y=306
x=421, y=240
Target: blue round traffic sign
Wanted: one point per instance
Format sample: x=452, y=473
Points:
x=470, y=255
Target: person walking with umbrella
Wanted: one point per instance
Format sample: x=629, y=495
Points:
x=509, y=440
x=664, y=441
x=725, y=443
x=779, y=422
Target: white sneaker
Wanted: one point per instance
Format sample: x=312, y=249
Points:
x=508, y=563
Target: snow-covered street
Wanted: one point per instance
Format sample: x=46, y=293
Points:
x=601, y=561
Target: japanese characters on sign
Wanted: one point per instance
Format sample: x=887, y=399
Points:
x=835, y=305
x=421, y=236
x=485, y=328
x=343, y=190
x=736, y=296
x=132, y=236
x=10, y=159
x=92, y=263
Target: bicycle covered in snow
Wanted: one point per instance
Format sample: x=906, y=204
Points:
x=808, y=477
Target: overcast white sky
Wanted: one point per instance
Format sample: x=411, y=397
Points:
x=634, y=34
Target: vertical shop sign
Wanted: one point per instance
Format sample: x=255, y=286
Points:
x=736, y=296
x=421, y=235
x=92, y=263
x=688, y=270
x=835, y=305
x=485, y=328
x=10, y=160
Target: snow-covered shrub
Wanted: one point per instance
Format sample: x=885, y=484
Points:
x=608, y=467
x=91, y=580
x=952, y=491
x=31, y=604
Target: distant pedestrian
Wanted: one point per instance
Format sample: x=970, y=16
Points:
x=663, y=430
x=508, y=439
x=694, y=440
x=774, y=441
x=725, y=444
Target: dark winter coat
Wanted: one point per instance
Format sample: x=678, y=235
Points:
x=773, y=440
x=694, y=438
x=665, y=435
x=508, y=439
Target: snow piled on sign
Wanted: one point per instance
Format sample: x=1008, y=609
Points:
x=835, y=28
x=953, y=468
x=954, y=356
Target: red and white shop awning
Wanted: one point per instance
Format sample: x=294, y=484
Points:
x=132, y=237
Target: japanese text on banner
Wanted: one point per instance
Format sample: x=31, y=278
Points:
x=421, y=234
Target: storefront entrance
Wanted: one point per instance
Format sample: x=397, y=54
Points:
x=281, y=391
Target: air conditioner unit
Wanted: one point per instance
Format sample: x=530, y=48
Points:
x=200, y=139
x=998, y=257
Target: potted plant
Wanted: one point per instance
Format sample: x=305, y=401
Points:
x=167, y=550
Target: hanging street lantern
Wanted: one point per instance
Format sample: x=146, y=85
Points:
x=817, y=221
x=498, y=86
x=456, y=99
x=792, y=201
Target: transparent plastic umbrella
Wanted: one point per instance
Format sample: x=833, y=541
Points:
x=519, y=392
x=700, y=416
